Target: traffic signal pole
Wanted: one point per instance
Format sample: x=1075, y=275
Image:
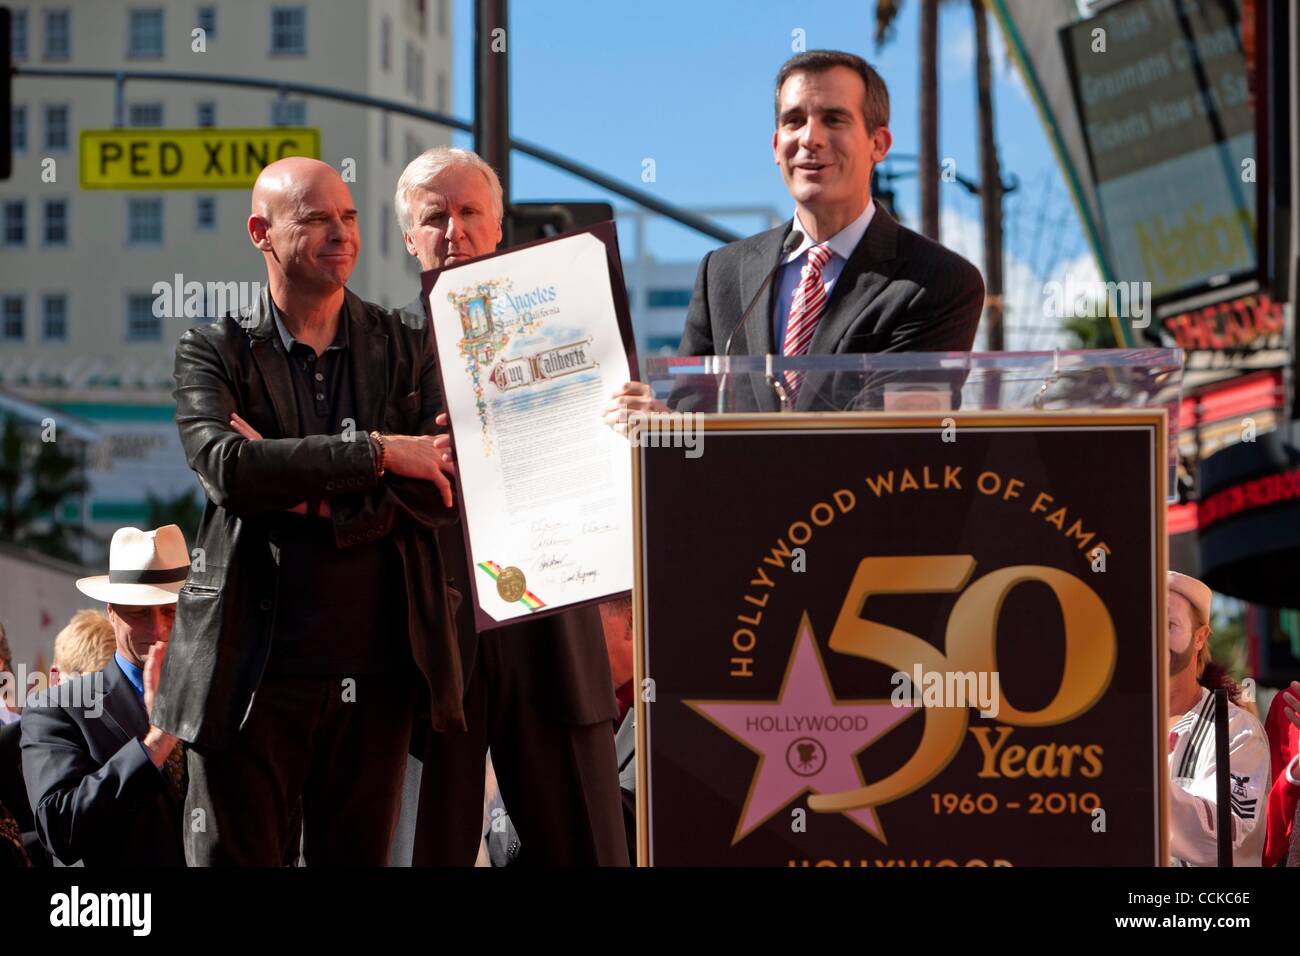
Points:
x=642, y=198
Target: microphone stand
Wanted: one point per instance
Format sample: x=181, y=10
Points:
x=792, y=242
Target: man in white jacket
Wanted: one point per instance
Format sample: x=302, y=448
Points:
x=1193, y=821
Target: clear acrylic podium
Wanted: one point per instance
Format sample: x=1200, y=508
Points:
x=926, y=382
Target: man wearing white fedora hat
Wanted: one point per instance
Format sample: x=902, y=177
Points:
x=105, y=785
x=1193, y=800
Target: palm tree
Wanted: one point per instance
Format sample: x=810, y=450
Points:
x=927, y=163
x=927, y=169
x=991, y=190
x=990, y=182
x=34, y=489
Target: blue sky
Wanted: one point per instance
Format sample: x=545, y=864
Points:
x=689, y=84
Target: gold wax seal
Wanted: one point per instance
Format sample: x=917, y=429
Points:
x=511, y=585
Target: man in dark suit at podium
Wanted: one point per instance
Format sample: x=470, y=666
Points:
x=853, y=279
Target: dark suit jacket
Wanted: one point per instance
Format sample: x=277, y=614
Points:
x=898, y=292
x=222, y=636
x=96, y=795
x=564, y=654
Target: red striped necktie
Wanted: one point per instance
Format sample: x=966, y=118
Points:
x=806, y=309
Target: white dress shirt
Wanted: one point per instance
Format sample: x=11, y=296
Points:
x=841, y=245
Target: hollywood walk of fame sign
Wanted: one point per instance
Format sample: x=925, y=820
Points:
x=861, y=644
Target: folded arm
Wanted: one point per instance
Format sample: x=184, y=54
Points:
x=416, y=487
x=251, y=477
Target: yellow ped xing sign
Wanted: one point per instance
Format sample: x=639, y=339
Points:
x=208, y=158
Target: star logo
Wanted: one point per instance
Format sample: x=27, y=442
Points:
x=806, y=739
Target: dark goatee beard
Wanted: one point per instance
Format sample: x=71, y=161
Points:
x=1179, y=662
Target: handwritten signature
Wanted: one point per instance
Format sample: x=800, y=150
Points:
x=580, y=576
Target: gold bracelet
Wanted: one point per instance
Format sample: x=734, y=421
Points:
x=381, y=461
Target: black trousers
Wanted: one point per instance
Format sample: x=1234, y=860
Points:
x=559, y=780
x=340, y=749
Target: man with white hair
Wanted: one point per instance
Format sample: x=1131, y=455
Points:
x=538, y=693
x=1193, y=800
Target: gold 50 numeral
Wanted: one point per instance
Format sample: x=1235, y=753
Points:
x=969, y=644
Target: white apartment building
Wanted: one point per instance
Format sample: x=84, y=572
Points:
x=77, y=327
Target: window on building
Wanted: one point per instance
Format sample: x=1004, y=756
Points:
x=58, y=34
x=18, y=34
x=207, y=21
x=442, y=18
x=385, y=137
x=205, y=212
x=668, y=298
x=288, y=112
x=207, y=113
x=415, y=15
x=144, y=221
x=12, y=318
x=442, y=92
x=141, y=324
x=18, y=127
x=56, y=222
x=414, y=72
x=385, y=227
x=385, y=44
x=54, y=318
x=15, y=222
x=145, y=114
x=413, y=147
x=288, y=29
x=56, y=127
x=145, y=33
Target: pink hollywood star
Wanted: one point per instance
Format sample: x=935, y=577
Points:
x=806, y=740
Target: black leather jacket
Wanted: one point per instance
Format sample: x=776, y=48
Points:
x=226, y=610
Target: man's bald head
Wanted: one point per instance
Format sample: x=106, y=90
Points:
x=287, y=180
x=304, y=222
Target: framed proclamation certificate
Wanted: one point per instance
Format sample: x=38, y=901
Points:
x=531, y=344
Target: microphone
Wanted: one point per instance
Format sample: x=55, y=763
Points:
x=792, y=242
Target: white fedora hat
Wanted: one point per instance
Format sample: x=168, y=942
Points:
x=144, y=567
